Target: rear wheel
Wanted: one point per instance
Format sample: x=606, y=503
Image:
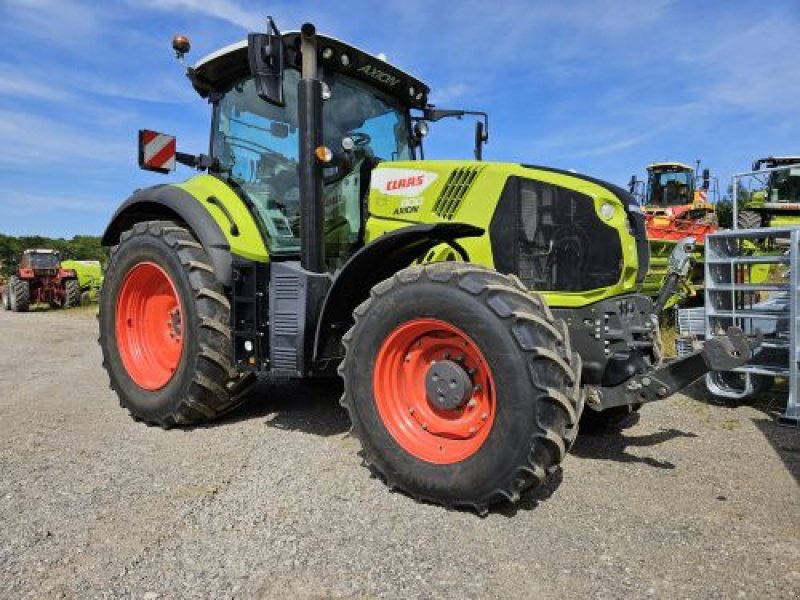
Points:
x=748, y=219
x=460, y=384
x=20, y=294
x=165, y=328
x=72, y=293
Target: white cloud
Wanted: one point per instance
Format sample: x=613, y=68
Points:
x=36, y=142
x=225, y=10
x=16, y=83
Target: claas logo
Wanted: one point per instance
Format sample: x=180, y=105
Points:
x=405, y=182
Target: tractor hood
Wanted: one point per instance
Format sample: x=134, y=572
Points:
x=499, y=196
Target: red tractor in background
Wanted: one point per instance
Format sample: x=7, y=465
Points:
x=40, y=279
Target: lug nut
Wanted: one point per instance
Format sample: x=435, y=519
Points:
x=484, y=416
x=472, y=403
x=472, y=430
x=424, y=427
x=411, y=410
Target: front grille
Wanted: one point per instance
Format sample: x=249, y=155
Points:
x=553, y=239
x=454, y=191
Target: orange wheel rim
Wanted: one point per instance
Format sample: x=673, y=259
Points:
x=149, y=326
x=405, y=367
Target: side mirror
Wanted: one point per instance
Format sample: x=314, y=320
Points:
x=265, y=54
x=157, y=151
x=481, y=137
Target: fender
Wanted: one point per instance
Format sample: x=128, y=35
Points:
x=215, y=214
x=373, y=263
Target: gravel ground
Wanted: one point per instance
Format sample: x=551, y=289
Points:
x=692, y=500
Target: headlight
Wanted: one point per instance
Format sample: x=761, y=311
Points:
x=607, y=211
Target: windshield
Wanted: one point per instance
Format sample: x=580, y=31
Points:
x=257, y=146
x=40, y=261
x=784, y=185
x=670, y=188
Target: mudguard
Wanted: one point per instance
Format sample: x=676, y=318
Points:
x=373, y=263
x=216, y=215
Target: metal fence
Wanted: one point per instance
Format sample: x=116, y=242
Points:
x=752, y=281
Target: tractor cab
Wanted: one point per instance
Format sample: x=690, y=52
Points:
x=255, y=143
x=673, y=193
x=40, y=260
x=783, y=185
x=671, y=185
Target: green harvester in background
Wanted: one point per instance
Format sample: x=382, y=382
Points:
x=778, y=205
x=90, y=278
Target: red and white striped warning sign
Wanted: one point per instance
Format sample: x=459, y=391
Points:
x=157, y=151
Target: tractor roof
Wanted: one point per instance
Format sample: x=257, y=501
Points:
x=669, y=166
x=221, y=69
x=771, y=162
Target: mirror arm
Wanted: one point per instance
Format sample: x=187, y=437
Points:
x=201, y=162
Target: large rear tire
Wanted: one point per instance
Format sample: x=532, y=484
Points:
x=165, y=328
x=749, y=219
x=20, y=294
x=72, y=293
x=516, y=399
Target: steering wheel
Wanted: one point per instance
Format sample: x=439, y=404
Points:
x=360, y=139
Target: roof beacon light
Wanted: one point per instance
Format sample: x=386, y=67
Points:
x=181, y=45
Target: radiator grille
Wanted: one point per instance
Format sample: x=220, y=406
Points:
x=455, y=189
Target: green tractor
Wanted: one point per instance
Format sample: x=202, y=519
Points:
x=473, y=309
x=778, y=205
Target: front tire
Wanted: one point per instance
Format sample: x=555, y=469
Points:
x=165, y=328
x=519, y=412
x=20, y=294
x=749, y=219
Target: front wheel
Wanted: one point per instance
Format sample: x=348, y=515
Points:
x=749, y=219
x=460, y=385
x=20, y=300
x=165, y=328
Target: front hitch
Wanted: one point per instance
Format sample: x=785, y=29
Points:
x=723, y=353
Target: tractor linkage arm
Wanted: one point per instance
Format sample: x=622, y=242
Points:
x=723, y=353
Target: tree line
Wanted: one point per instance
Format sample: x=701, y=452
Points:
x=80, y=247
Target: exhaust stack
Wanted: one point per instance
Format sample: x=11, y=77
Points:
x=309, y=97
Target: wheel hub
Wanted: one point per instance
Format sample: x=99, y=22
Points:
x=434, y=392
x=447, y=385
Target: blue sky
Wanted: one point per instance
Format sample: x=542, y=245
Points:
x=601, y=86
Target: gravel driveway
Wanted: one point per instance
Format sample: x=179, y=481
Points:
x=693, y=500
